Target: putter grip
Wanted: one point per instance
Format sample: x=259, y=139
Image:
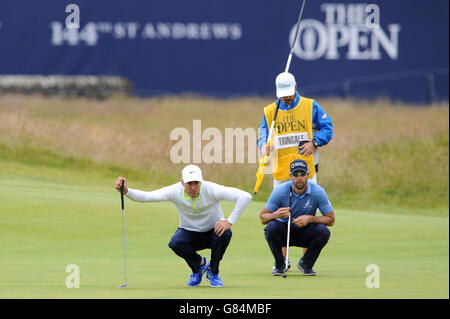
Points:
x=121, y=194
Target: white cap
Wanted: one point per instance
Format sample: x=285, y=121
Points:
x=285, y=83
x=191, y=173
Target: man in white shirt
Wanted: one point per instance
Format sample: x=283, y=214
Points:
x=202, y=223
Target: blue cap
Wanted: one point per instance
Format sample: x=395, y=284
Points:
x=298, y=165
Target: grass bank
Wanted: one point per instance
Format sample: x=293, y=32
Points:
x=383, y=157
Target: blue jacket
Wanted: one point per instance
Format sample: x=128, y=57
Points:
x=320, y=119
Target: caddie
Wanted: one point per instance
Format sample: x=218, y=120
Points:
x=300, y=120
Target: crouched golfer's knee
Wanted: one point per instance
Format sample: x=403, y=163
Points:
x=322, y=233
x=176, y=243
x=273, y=230
x=226, y=236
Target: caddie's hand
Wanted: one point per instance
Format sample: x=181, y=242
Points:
x=307, y=149
x=221, y=226
x=118, y=184
x=283, y=212
x=265, y=149
x=303, y=220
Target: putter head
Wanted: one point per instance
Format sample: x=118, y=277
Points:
x=285, y=270
x=125, y=285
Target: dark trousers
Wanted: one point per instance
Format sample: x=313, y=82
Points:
x=313, y=236
x=186, y=243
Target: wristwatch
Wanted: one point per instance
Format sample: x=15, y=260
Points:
x=316, y=145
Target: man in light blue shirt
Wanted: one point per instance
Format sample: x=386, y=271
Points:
x=300, y=199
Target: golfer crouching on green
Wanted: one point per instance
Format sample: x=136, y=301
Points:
x=300, y=199
x=202, y=223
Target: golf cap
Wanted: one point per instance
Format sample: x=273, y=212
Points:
x=285, y=84
x=298, y=165
x=191, y=173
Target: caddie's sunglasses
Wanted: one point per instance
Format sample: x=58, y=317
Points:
x=301, y=173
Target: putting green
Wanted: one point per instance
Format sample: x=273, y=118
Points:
x=48, y=224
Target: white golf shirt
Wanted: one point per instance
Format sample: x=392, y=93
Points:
x=197, y=214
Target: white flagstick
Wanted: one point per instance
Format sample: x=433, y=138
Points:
x=288, y=64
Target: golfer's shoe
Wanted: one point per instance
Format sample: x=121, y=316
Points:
x=304, y=269
x=289, y=266
x=214, y=279
x=277, y=271
x=196, y=278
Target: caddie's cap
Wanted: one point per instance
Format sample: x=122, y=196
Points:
x=298, y=165
x=285, y=84
x=191, y=173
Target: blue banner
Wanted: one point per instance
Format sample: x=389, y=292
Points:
x=397, y=49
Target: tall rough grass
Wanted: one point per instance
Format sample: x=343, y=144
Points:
x=382, y=155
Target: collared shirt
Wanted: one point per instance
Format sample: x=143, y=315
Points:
x=201, y=213
x=322, y=125
x=312, y=199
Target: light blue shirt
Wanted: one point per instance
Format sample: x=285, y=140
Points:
x=312, y=199
x=320, y=119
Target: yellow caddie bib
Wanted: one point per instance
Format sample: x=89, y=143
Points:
x=290, y=128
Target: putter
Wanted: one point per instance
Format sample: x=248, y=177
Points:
x=126, y=284
x=288, y=236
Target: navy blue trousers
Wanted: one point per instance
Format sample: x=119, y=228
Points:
x=186, y=243
x=312, y=236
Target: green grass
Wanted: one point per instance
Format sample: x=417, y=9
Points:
x=49, y=222
x=386, y=172
x=406, y=176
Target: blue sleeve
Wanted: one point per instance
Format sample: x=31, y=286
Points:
x=324, y=203
x=274, y=202
x=323, y=123
x=263, y=133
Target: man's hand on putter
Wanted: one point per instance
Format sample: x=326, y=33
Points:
x=303, y=220
x=118, y=184
x=283, y=212
x=221, y=226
